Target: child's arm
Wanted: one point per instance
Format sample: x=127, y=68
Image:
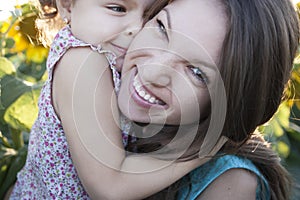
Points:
x=86, y=104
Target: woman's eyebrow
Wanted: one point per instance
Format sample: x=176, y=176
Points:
x=205, y=64
x=168, y=17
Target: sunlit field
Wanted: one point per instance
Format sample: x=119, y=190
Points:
x=23, y=73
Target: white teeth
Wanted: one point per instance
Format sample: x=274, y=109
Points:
x=152, y=100
x=147, y=97
x=136, y=84
x=143, y=94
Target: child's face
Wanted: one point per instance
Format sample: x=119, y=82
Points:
x=111, y=23
x=169, y=68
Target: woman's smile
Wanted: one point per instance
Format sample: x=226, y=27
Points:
x=144, y=93
x=143, y=96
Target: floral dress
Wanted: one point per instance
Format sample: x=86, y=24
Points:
x=49, y=172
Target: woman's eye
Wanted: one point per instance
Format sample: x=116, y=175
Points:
x=117, y=8
x=161, y=27
x=198, y=73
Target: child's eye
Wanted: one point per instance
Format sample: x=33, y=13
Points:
x=117, y=8
x=161, y=27
x=198, y=74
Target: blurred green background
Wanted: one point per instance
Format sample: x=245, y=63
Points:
x=23, y=72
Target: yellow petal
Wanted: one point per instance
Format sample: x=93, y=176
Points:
x=36, y=54
x=20, y=43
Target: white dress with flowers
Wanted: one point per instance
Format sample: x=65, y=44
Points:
x=49, y=172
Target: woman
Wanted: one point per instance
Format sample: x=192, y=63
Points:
x=253, y=44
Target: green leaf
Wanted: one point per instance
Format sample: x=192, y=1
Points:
x=17, y=138
x=11, y=89
x=5, y=141
x=283, y=149
x=6, y=67
x=294, y=132
x=16, y=165
x=4, y=166
x=283, y=114
x=35, y=70
x=6, y=156
x=276, y=128
x=23, y=112
x=29, y=8
x=295, y=114
x=9, y=43
x=279, y=123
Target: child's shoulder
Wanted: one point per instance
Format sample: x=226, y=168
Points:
x=63, y=40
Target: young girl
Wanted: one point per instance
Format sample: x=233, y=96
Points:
x=68, y=150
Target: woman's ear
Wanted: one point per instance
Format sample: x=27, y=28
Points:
x=64, y=9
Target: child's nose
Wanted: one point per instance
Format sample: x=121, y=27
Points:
x=134, y=27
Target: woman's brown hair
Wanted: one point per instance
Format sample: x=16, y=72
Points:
x=255, y=64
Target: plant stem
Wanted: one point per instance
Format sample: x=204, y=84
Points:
x=17, y=138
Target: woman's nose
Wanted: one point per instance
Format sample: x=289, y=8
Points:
x=157, y=74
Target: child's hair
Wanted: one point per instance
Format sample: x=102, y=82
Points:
x=48, y=22
x=256, y=60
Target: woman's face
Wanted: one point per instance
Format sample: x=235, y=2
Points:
x=170, y=66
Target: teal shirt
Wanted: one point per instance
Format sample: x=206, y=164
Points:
x=199, y=179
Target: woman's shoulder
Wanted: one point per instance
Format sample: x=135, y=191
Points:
x=227, y=171
x=236, y=183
